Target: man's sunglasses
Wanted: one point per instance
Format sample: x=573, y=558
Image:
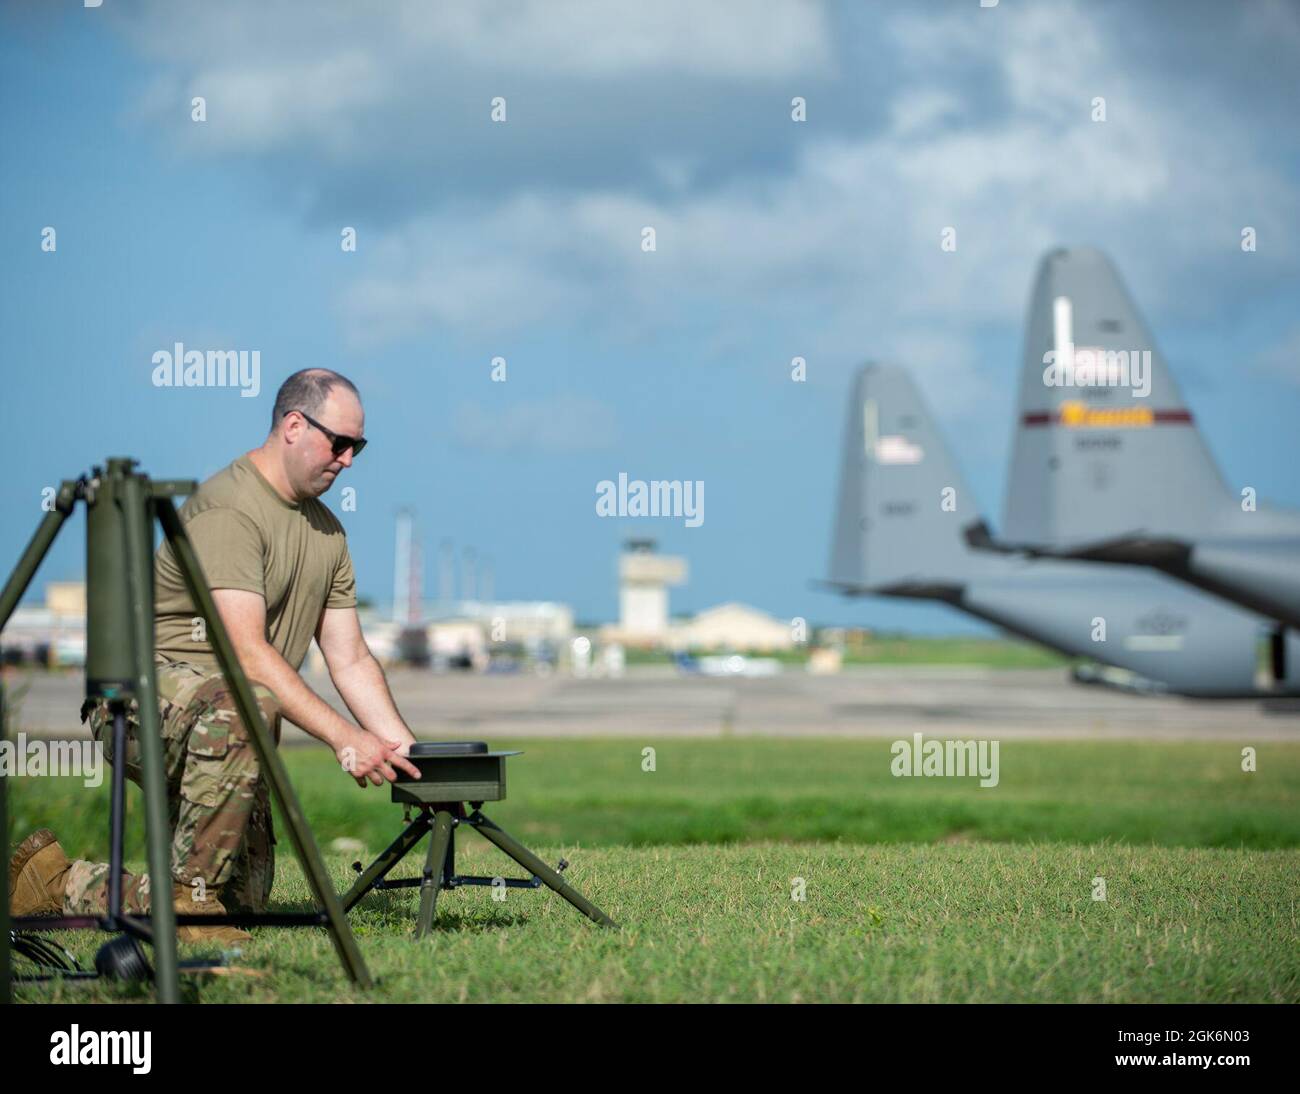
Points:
x=339, y=443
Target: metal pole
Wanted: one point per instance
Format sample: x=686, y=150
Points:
x=536, y=866
x=117, y=812
x=21, y=576
x=449, y=860
x=402, y=569
x=378, y=870
x=135, y=503
x=304, y=842
x=433, y=871
x=36, y=550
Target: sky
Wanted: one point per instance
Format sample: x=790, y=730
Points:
x=522, y=239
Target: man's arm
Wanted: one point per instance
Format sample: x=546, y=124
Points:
x=244, y=615
x=359, y=678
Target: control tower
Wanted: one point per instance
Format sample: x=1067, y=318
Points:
x=644, y=577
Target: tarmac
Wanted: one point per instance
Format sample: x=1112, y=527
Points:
x=876, y=701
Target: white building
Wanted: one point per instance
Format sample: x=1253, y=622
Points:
x=468, y=628
x=54, y=634
x=523, y=621
x=732, y=627
x=644, y=578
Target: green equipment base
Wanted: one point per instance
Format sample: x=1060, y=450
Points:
x=452, y=775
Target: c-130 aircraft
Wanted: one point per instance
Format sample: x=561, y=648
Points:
x=1105, y=473
x=902, y=521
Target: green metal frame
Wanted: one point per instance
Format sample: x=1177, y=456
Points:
x=446, y=784
x=121, y=505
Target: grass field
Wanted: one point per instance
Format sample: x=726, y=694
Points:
x=916, y=889
x=1002, y=653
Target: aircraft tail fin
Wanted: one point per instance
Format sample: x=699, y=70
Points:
x=902, y=506
x=1105, y=444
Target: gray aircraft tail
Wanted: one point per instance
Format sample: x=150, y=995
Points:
x=1105, y=445
x=903, y=506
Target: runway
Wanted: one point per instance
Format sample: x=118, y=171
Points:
x=877, y=701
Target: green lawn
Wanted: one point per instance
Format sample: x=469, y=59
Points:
x=1002, y=653
x=594, y=792
x=921, y=923
x=917, y=889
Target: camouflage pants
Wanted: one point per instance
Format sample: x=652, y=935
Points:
x=219, y=806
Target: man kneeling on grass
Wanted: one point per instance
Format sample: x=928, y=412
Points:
x=278, y=564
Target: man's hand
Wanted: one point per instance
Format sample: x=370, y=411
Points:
x=358, y=676
x=365, y=757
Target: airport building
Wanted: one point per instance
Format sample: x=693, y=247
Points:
x=466, y=631
x=645, y=577
x=53, y=634
x=732, y=627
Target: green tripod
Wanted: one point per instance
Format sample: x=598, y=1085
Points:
x=121, y=505
x=453, y=773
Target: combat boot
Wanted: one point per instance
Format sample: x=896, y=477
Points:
x=37, y=874
x=183, y=899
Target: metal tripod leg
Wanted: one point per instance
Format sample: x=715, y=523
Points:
x=138, y=524
x=378, y=870
x=13, y=590
x=443, y=822
x=117, y=813
x=37, y=547
x=304, y=843
x=536, y=866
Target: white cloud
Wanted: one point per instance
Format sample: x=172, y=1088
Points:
x=725, y=38
x=918, y=110
x=987, y=128
x=867, y=213
x=311, y=74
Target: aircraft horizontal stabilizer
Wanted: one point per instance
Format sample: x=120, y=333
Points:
x=1136, y=550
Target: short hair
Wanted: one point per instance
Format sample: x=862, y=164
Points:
x=306, y=390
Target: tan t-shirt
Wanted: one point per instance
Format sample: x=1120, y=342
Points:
x=248, y=537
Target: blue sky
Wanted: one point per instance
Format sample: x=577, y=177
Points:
x=522, y=240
